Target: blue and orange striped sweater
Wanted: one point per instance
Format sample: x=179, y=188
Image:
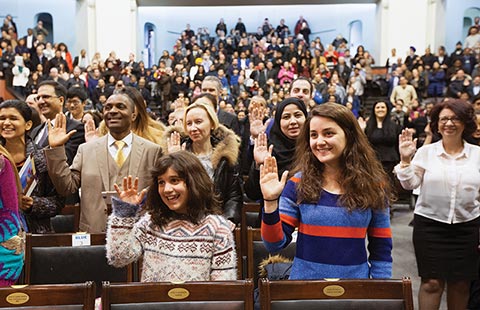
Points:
x=331, y=240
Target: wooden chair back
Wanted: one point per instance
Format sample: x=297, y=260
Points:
x=79, y=296
x=362, y=294
x=217, y=295
x=256, y=252
x=51, y=259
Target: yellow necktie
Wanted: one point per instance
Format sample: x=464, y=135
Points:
x=119, y=157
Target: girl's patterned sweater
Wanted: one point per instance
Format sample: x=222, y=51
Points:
x=178, y=251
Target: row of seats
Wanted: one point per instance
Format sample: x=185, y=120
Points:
x=53, y=259
x=232, y=295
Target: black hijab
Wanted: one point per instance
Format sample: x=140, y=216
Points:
x=284, y=147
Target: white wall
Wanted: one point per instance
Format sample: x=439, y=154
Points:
x=62, y=11
x=170, y=21
x=116, y=22
x=403, y=25
x=455, y=11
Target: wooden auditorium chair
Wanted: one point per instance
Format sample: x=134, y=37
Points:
x=256, y=252
x=79, y=296
x=51, y=259
x=216, y=295
x=362, y=294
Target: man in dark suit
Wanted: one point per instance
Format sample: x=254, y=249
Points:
x=38, y=58
x=51, y=99
x=81, y=60
x=212, y=85
x=260, y=75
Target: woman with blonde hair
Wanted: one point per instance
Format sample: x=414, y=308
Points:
x=216, y=146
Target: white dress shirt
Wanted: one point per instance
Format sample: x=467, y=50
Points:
x=112, y=148
x=450, y=185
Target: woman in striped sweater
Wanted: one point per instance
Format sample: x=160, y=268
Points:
x=337, y=195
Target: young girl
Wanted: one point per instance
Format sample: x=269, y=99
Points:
x=181, y=234
x=337, y=197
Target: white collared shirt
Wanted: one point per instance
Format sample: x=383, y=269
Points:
x=112, y=149
x=450, y=185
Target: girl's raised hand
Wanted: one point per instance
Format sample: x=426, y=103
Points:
x=270, y=184
x=129, y=193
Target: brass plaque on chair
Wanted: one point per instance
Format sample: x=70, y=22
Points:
x=178, y=293
x=17, y=298
x=333, y=290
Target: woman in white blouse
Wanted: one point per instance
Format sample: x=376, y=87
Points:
x=446, y=221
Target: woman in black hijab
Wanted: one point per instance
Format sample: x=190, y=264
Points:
x=289, y=118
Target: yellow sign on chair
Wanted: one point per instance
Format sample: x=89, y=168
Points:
x=333, y=290
x=17, y=298
x=178, y=293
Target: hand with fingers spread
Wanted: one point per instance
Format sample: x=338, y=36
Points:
x=57, y=134
x=256, y=121
x=261, y=149
x=407, y=146
x=270, y=184
x=90, y=130
x=173, y=143
x=129, y=193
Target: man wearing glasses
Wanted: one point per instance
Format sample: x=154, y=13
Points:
x=51, y=98
x=76, y=102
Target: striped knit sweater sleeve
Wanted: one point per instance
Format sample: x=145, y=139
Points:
x=331, y=239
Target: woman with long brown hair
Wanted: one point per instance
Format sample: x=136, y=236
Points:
x=337, y=196
x=181, y=212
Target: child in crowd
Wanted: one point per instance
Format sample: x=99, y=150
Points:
x=180, y=233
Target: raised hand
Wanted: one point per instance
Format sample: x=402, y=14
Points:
x=261, y=149
x=90, y=131
x=362, y=123
x=130, y=193
x=255, y=117
x=173, y=143
x=270, y=185
x=57, y=134
x=407, y=146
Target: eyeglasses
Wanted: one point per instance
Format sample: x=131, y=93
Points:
x=74, y=102
x=45, y=97
x=445, y=120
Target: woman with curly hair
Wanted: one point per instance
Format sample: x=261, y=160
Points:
x=337, y=195
x=181, y=212
x=447, y=214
